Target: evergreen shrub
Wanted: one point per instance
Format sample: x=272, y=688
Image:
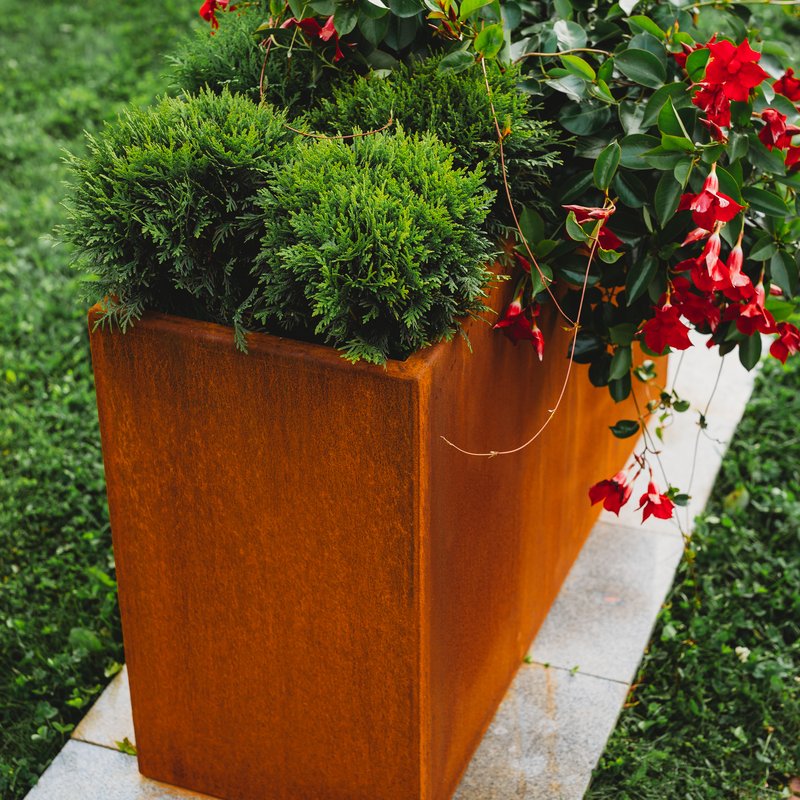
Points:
x=377, y=244
x=160, y=200
x=232, y=57
x=457, y=108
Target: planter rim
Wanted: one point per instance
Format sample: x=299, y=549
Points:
x=260, y=342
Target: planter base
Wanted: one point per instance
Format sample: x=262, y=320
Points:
x=320, y=598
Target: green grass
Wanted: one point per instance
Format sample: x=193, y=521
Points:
x=64, y=67
x=703, y=722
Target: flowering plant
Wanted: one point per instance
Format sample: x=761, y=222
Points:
x=676, y=204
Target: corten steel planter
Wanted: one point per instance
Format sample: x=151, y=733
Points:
x=322, y=600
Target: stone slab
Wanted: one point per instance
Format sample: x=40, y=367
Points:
x=84, y=771
x=545, y=738
x=604, y=614
x=110, y=719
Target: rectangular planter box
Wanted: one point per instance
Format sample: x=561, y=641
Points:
x=320, y=598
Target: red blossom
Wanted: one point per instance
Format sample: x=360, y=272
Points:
x=655, y=503
x=665, y=329
x=788, y=86
x=518, y=325
x=716, y=104
x=776, y=133
x=699, y=309
x=614, y=492
x=522, y=261
x=735, y=69
x=793, y=159
x=322, y=33
x=787, y=343
x=210, y=7
x=710, y=206
x=753, y=317
x=586, y=213
x=607, y=239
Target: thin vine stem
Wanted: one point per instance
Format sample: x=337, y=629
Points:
x=551, y=412
x=504, y=173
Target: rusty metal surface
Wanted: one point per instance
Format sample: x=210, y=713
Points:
x=319, y=597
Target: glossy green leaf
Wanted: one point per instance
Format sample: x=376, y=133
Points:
x=682, y=170
x=625, y=428
x=665, y=201
x=750, y=351
x=569, y=35
x=639, y=277
x=766, y=202
x=532, y=225
x=623, y=333
x=469, y=7
x=345, y=19
x=696, y=64
x=670, y=123
x=783, y=269
x=574, y=230
x=489, y=42
x=606, y=166
x=585, y=119
x=456, y=62
x=578, y=66
x=620, y=363
x=621, y=388
x=633, y=148
x=642, y=67
x=642, y=23
x=405, y=8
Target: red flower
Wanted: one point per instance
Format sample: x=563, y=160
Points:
x=519, y=326
x=753, y=317
x=741, y=287
x=699, y=309
x=735, y=69
x=209, y=8
x=793, y=159
x=776, y=133
x=312, y=29
x=655, y=504
x=665, y=329
x=586, y=213
x=614, y=492
x=787, y=343
x=788, y=86
x=714, y=101
x=710, y=205
x=607, y=239
x=522, y=261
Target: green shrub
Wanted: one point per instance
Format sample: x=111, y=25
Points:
x=376, y=244
x=456, y=107
x=157, y=212
x=234, y=57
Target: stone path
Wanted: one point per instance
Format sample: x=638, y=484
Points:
x=552, y=727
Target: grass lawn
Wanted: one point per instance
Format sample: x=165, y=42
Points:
x=64, y=67
x=716, y=713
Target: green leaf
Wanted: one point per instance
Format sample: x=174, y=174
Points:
x=763, y=250
x=84, y=639
x=574, y=230
x=606, y=166
x=676, y=144
x=696, y=64
x=537, y=284
x=663, y=158
x=621, y=388
x=577, y=66
x=642, y=67
x=623, y=333
x=621, y=363
x=639, y=277
x=630, y=116
x=670, y=123
x=532, y=225
x=345, y=19
x=674, y=91
x=569, y=35
x=643, y=23
x=456, y=62
x=682, y=170
x=729, y=184
x=668, y=193
x=573, y=86
x=783, y=269
x=584, y=120
x=469, y=7
x=405, y=8
x=633, y=147
x=489, y=42
x=625, y=428
x=374, y=30
x=632, y=192
x=766, y=202
x=750, y=351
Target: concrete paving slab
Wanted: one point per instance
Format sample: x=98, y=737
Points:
x=110, y=719
x=603, y=617
x=545, y=739
x=84, y=771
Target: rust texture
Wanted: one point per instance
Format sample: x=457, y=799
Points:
x=319, y=597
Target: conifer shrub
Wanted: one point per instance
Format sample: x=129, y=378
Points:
x=457, y=108
x=158, y=207
x=234, y=56
x=374, y=246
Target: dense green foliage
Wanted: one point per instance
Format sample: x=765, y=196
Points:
x=159, y=203
x=234, y=56
x=458, y=109
x=704, y=724
x=377, y=244
x=66, y=67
